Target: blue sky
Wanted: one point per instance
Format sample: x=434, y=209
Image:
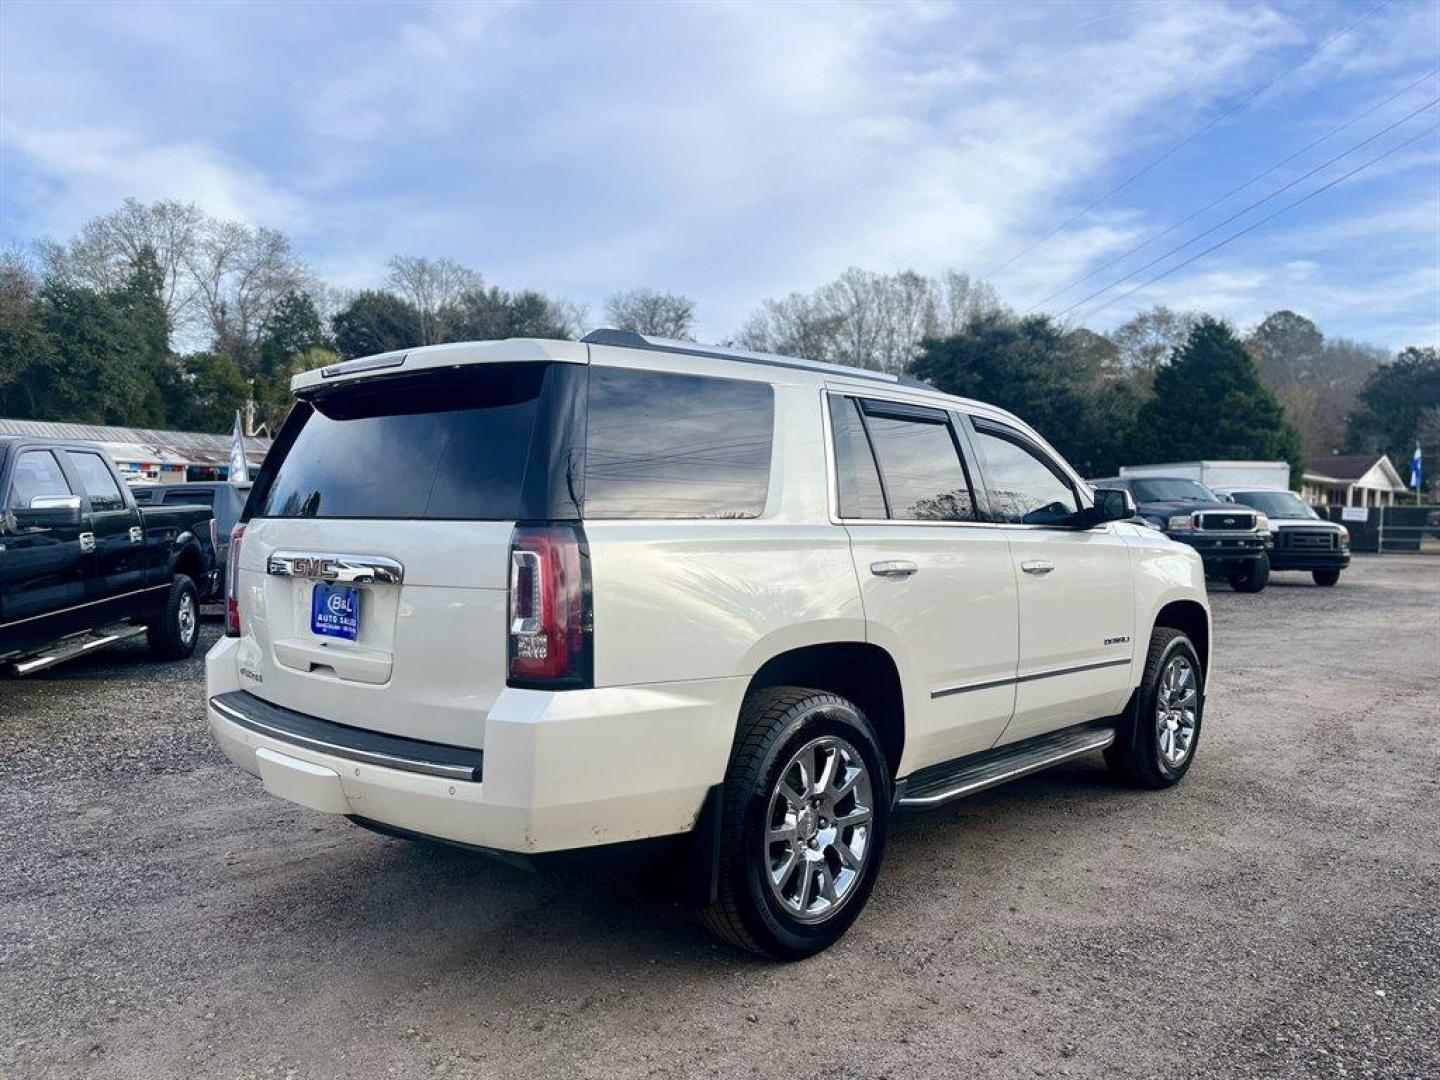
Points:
x=738, y=151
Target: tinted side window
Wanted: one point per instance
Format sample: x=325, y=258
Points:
x=37, y=475
x=99, y=484
x=1024, y=487
x=924, y=480
x=856, y=477
x=659, y=445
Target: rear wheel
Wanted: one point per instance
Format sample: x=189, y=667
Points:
x=1253, y=577
x=172, y=636
x=1157, y=741
x=1325, y=577
x=805, y=809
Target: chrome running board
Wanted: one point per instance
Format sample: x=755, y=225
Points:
x=939, y=784
x=70, y=648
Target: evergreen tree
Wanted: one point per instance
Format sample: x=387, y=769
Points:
x=292, y=329
x=1209, y=403
x=375, y=322
x=1053, y=380
x=1398, y=406
x=213, y=389
x=27, y=354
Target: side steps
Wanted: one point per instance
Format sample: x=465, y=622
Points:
x=938, y=784
x=71, y=647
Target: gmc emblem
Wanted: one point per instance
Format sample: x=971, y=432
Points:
x=305, y=566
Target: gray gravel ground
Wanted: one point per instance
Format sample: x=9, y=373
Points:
x=1277, y=915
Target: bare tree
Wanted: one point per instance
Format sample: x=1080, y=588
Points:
x=241, y=273
x=649, y=311
x=434, y=287
x=960, y=298
x=865, y=319
x=102, y=253
x=1147, y=340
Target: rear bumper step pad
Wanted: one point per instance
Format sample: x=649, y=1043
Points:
x=341, y=740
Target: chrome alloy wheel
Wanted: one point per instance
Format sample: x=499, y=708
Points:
x=817, y=829
x=185, y=618
x=1177, y=704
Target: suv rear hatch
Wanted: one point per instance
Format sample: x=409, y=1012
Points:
x=375, y=559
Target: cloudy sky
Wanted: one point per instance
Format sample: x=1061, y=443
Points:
x=738, y=151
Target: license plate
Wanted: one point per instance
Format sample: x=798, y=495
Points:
x=335, y=611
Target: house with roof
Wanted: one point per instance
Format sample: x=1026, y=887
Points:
x=1351, y=480
x=149, y=454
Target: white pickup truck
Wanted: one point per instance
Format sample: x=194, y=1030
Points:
x=561, y=599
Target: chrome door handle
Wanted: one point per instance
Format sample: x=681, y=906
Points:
x=87, y=541
x=1037, y=566
x=136, y=535
x=896, y=568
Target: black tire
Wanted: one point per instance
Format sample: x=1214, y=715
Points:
x=1135, y=755
x=1253, y=577
x=1325, y=577
x=172, y=636
x=775, y=725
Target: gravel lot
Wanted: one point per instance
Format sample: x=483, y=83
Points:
x=1278, y=914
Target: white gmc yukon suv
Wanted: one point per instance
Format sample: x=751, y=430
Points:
x=624, y=596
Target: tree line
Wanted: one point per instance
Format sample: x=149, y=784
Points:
x=159, y=315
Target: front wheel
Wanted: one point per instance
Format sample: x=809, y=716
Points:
x=1325, y=577
x=1253, y=577
x=1156, y=744
x=172, y=636
x=805, y=809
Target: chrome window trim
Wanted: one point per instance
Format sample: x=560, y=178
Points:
x=832, y=477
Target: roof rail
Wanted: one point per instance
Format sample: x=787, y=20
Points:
x=629, y=339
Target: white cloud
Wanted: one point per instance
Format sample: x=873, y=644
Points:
x=92, y=170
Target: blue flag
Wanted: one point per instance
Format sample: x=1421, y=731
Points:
x=1416, y=474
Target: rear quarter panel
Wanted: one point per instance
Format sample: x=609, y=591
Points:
x=681, y=600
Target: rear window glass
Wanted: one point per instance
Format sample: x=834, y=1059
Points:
x=660, y=445
x=191, y=498
x=450, y=445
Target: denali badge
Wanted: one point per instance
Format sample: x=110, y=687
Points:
x=1117, y=640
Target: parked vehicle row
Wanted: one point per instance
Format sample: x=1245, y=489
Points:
x=1242, y=534
x=83, y=566
x=577, y=600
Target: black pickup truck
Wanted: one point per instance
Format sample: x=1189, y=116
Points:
x=82, y=566
x=1233, y=542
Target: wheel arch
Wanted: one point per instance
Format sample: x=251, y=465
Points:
x=861, y=671
x=188, y=560
x=1192, y=619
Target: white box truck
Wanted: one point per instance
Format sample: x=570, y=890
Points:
x=1222, y=475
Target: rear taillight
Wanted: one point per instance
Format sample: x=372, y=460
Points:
x=232, y=583
x=550, y=626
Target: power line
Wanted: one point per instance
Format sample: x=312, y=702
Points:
x=1232, y=192
x=1265, y=220
x=1243, y=210
x=1246, y=209
x=1186, y=141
